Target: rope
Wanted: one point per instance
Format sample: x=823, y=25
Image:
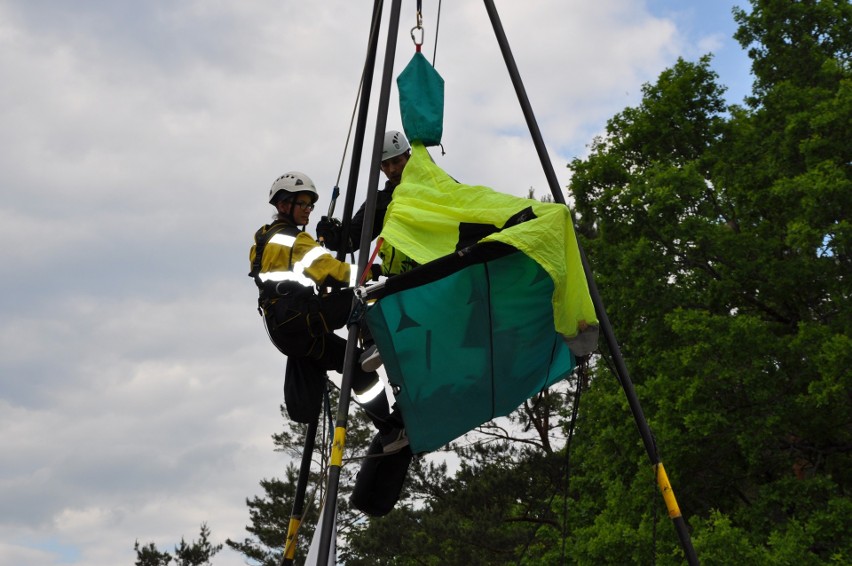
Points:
x=654, y=504
x=582, y=380
x=351, y=122
x=435, y=51
x=349, y=133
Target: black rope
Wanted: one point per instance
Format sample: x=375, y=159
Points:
x=655, y=500
x=582, y=381
x=435, y=50
x=373, y=32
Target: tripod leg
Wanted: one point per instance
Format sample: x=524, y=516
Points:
x=299, y=500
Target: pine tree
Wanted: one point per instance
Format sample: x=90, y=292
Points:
x=195, y=553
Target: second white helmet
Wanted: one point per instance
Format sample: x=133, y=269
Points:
x=292, y=182
x=395, y=144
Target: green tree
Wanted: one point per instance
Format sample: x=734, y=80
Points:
x=424, y=526
x=149, y=555
x=500, y=505
x=270, y=512
x=720, y=241
x=195, y=553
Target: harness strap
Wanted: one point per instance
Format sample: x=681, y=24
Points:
x=261, y=238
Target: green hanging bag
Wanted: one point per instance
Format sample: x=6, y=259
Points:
x=421, y=101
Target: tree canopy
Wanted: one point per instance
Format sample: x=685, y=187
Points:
x=195, y=553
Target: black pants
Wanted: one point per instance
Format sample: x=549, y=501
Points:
x=306, y=330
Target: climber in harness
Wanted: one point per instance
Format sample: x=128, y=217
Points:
x=395, y=153
x=304, y=295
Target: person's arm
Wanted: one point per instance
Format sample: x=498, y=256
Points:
x=316, y=263
x=329, y=230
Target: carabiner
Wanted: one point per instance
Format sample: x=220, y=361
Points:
x=418, y=26
x=417, y=44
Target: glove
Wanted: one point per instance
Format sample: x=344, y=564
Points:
x=328, y=232
x=376, y=271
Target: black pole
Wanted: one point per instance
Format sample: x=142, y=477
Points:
x=606, y=327
x=299, y=499
x=336, y=461
x=360, y=126
x=288, y=555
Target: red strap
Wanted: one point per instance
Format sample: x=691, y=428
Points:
x=364, y=275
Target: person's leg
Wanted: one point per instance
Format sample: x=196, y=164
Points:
x=335, y=309
x=377, y=407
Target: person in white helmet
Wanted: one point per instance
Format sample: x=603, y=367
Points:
x=395, y=153
x=304, y=295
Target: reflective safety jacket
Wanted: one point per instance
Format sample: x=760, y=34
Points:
x=289, y=255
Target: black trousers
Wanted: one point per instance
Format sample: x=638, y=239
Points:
x=305, y=329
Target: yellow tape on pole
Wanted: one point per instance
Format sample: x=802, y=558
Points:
x=668, y=493
x=337, y=446
x=292, y=530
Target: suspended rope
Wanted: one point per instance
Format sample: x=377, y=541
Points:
x=582, y=381
x=336, y=190
x=437, y=27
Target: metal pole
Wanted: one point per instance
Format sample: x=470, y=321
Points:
x=288, y=555
x=360, y=126
x=606, y=327
x=299, y=499
x=336, y=461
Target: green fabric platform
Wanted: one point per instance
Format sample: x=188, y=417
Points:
x=469, y=347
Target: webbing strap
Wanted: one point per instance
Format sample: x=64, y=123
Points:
x=261, y=238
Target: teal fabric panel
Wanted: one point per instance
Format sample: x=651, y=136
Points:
x=470, y=347
x=421, y=101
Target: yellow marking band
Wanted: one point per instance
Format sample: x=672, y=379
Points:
x=292, y=529
x=668, y=493
x=337, y=446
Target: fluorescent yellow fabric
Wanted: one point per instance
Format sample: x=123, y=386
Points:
x=423, y=222
x=394, y=261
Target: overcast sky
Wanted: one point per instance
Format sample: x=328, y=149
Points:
x=138, y=390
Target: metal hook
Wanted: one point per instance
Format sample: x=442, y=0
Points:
x=417, y=27
x=414, y=39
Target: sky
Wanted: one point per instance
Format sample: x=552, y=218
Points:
x=138, y=390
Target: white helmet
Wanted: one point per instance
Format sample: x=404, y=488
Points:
x=395, y=144
x=293, y=182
